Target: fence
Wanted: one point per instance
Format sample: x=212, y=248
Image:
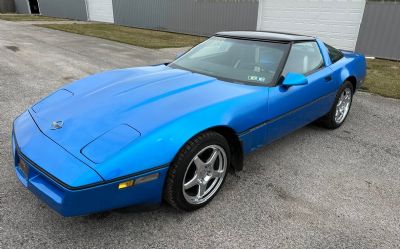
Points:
x=380, y=30
x=200, y=17
x=71, y=9
x=7, y=6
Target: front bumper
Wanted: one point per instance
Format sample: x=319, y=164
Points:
x=74, y=201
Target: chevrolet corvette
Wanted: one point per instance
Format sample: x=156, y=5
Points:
x=172, y=131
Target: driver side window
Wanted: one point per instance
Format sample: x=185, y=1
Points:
x=304, y=58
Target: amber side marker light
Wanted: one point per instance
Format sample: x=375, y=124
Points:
x=139, y=180
x=126, y=184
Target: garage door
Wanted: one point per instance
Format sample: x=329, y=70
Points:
x=100, y=10
x=337, y=22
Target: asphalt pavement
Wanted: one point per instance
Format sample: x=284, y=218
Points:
x=315, y=188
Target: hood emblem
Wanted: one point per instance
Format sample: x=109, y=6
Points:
x=55, y=125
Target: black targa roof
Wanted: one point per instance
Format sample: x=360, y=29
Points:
x=265, y=35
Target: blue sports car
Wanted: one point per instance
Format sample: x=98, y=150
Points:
x=140, y=135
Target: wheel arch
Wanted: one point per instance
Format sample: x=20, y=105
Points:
x=353, y=81
x=233, y=140
x=234, y=143
x=346, y=74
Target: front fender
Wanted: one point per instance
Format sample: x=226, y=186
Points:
x=158, y=147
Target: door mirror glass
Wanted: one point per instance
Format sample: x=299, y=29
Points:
x=294, y=79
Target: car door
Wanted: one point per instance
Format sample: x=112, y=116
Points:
x=290, y=108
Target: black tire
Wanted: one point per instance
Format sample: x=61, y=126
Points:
x=328, y=121
x=173, y=192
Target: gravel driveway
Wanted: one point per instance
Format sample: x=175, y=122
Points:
x=312, y=189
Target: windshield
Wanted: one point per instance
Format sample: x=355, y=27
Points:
x=246, y=61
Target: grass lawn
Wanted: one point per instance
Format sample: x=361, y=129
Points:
x=383, y=78
x=22, y=18
x=134, y=36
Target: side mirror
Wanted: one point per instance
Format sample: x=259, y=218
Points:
x=295, y=79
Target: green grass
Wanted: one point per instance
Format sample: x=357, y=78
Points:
x=23, y=18
x=134, y=36
x=383, y=78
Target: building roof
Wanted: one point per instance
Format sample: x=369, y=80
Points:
x=266, y=35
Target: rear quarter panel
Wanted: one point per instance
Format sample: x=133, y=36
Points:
x=357, y=66
x=351, y=65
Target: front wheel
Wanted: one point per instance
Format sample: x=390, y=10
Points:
x=339, y=111
x=198, y=172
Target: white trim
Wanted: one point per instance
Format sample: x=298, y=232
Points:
x=359, y=26
x=87, y=10
x=38, y=5
x=29, y=7
x=259, y=14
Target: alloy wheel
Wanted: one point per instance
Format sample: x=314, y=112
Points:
x=343, y=105
x=204, y=174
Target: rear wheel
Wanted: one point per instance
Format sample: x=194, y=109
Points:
x=198, y=172
x=340, y=110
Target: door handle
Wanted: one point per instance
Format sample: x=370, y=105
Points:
x=328, y=78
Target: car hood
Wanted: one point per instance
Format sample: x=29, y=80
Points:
x=142, y=98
